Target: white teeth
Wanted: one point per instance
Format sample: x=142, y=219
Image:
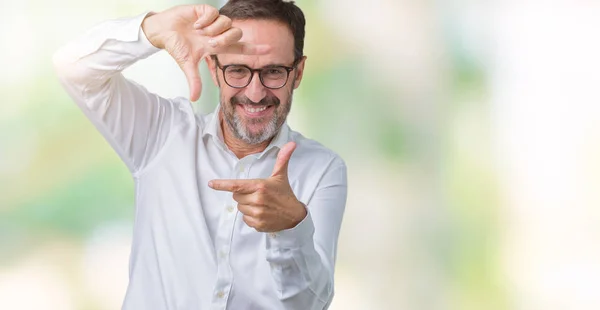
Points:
x=254, y=110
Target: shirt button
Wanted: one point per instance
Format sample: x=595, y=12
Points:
x=230, y=208
x=223, y=253
x=273, y=235
x=241, y=168
x=220, y=294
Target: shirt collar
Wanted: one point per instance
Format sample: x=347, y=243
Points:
x=213, y=128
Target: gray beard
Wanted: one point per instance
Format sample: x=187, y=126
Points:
x=236, y=124
x=240, y=131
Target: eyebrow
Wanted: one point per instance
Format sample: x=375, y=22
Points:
x=266, y=66
x=263, y=67
x=274, y=65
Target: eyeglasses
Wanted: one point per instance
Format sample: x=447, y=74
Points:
x=240, y=76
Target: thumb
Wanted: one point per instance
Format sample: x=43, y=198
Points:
x=283, y=158
x=193, y=77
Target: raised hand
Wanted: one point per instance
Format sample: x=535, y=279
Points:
x=268, y=205
x=190, y=33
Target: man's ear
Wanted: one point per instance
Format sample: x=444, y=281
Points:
x=212, y=67
x=299, y=71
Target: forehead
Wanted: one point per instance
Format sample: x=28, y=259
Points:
x=273, y=33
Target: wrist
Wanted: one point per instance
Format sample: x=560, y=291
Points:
x=302, y=212
x=151, y=29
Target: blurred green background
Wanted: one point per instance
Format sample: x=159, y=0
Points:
x=470, y=130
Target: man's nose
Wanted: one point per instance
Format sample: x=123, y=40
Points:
x=255, y=91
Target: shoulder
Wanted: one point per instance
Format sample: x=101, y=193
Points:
x=185, y=114
x=314, y=167
x=314, y=153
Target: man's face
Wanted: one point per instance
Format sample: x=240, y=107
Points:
x=255, y=113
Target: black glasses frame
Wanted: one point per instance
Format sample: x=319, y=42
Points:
x=260, y=77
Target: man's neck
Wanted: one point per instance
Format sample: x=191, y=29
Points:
x=240, y=148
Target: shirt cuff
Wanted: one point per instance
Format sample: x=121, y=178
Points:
x=141, y=46
x=142, y=39
x=294, y=237
x=128, y=30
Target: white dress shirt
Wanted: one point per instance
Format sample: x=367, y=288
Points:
x=191, y=248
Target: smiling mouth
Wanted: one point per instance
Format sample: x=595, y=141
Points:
x=255, y=111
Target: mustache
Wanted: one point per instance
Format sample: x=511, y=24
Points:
x=267, y=101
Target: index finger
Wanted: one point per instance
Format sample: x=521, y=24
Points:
x=190, y=70
x=229, y=43
x=206, y=15
x=237, y=186
x=246, y=49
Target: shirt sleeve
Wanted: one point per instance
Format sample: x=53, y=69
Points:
x=135, y=122
x=302, y=258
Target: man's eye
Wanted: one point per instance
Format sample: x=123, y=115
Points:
x=237, y=70
x=275, y=71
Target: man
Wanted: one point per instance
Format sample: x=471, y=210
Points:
x=234, y=210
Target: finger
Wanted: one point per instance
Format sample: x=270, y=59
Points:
x=246, y=49
x=247, y=210
x=238, y=186
x=190, y=69
x=219, y=26
x=228, y=43
x=206, y=15
x=231, y=36
x=242, y=198
x=253, y=222
x=254, y=198
x=283, y=158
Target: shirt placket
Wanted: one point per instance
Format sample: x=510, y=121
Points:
x=224, y=284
